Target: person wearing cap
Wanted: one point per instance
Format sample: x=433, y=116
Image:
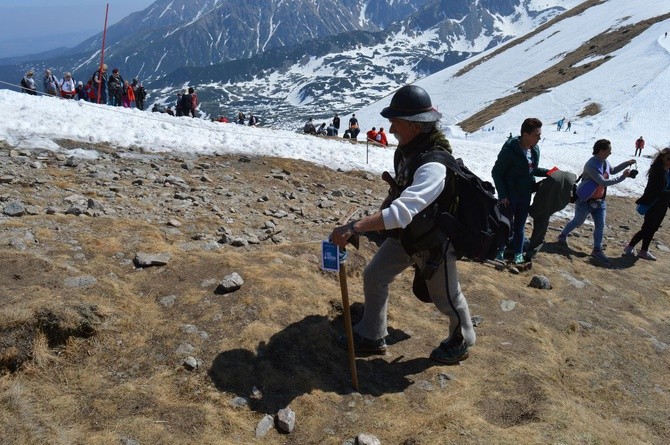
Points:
x=414, y=123
x=28, y=83
x=514, y=175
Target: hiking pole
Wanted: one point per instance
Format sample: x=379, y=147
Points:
x=348, y=329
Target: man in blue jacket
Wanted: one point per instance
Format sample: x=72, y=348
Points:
x=514, y=177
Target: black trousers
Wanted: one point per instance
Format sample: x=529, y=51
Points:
x=652, y=221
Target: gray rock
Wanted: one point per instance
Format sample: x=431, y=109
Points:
x=443, y=379
x=191, y=363
x=184, y=349
x=286, y=420
x=265, y=425
x=167, y=301
x=143, y=259
x=540, y=282
x=507, y=305
x=14, y=209
x=81, y=281
x=367, y=439
x=230, y=283
x=6, y=179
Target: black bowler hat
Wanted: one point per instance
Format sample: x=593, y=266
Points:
x=411, y=103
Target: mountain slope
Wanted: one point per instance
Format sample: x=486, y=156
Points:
x=540, y=74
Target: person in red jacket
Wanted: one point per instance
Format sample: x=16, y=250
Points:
x=639, y=145
x=381, y=137
x=372, y=134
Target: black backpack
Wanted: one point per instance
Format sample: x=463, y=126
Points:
x=466, y=212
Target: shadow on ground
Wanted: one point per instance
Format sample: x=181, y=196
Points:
x=302, y=358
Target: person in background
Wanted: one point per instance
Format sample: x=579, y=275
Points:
x=140, y=94
x=321, y=131
x=253, y=120
x=381, y=137
x=81, y=91
x=372, y=134
x=336, y=124
x=653, y=204
x=28, y=83
x=68, y=88
x=309, y=127
x=115, y=88
x=354, y=128
x=414, y=123
x=639, y=146
x=128, y=95
x=592, y=191
x=514, y=175
x=193, y=112
x=50, y=83
x=100, y=85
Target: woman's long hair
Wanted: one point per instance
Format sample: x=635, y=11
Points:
x=658, y=159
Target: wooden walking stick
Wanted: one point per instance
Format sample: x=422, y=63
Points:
x=348, y=329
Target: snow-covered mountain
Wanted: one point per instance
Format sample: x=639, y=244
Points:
x=605, y=68
x=346, y=71
x=286, y=59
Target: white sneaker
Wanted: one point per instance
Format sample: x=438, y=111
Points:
x=645, y=255
x=629, y=251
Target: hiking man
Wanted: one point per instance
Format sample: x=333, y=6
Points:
x=514, y=175
x=336, y=124
x=414, y=123
x=639, y=145
x=354, y=128
x=115, y=88
x=50, y=83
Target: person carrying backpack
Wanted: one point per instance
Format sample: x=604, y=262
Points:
x=50, y=84
x=414, y=123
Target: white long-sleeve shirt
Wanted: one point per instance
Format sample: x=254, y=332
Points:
x=427, y=185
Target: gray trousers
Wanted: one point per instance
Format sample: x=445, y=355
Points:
x=443, y=287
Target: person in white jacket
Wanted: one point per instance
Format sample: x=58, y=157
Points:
x=68, y=87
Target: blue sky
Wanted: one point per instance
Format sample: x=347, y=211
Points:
x=31, y=26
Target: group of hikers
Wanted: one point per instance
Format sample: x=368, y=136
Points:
x=352, y=132
x=100, y=88
x=186, y=104
x=420, y=182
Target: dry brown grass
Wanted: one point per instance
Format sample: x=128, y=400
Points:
x=569, y=365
